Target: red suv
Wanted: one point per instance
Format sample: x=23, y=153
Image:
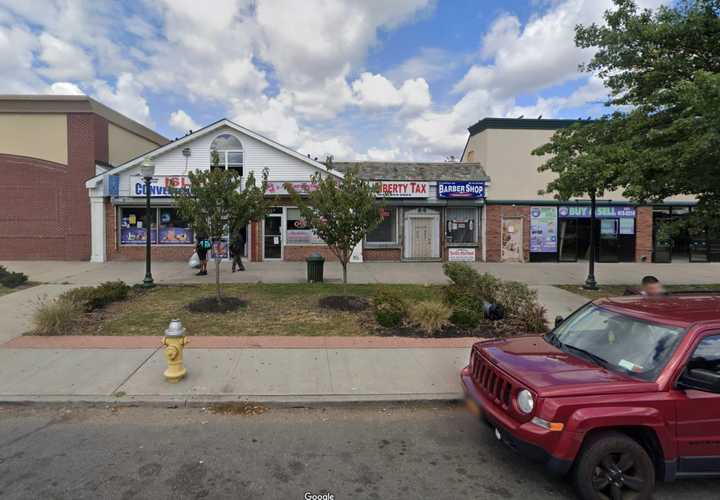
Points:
x=622, y=392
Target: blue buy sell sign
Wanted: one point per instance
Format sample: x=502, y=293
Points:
x=461, y=189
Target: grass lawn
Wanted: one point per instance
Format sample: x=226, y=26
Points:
x=273, y=309
x=617, y=290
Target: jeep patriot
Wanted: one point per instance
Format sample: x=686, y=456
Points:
x=622, y=392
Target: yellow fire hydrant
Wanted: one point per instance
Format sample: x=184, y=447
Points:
x=174, y=342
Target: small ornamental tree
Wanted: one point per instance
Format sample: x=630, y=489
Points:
x=340, y=211
x=215, y=205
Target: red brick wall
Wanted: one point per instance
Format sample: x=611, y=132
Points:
x=494, y=215
x=643, y=234
x=389, y=254
x=44, y=206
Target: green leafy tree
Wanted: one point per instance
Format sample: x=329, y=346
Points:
x=662, y=69
x=340, y=211
x=215, y=205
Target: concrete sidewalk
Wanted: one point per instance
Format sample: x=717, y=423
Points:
x=126, y=376
x=86, y=273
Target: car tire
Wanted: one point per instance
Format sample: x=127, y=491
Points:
x=613, y=466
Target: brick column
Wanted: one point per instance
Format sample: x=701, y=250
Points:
x=643, y=234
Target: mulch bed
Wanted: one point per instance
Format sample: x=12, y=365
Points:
x=211, y=305
x=347, y=303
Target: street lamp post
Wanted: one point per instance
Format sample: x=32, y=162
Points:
x=590, y=283
x=147, y=170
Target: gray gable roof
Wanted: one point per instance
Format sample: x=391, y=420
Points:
x=415, y=171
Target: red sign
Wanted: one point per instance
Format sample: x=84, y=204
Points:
x=403, y=189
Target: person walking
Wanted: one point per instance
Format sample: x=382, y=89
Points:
x=203, y=245
x=237, y=247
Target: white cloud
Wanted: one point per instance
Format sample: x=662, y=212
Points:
x=182, y=122
x=379, y=154
x=65, y=88
x=376, y=91
x=126, y=97
x=430, y=64
x=64, y=60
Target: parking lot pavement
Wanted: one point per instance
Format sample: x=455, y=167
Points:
x=372, y=452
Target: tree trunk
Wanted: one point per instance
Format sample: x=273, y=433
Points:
x=344, y=266
x=217, y=280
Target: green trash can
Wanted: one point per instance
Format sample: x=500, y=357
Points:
x=315, y=263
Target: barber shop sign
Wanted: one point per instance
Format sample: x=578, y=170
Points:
x=461, y=189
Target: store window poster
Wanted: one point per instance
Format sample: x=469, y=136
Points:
x=543, y=229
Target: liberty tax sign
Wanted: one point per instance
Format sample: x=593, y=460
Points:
x=402, y=189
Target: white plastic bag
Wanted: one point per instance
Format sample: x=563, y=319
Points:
x=194, y=261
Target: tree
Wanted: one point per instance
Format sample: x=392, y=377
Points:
x=340, y=211
x=663, y=68
x=586, y=163
x=215, y=205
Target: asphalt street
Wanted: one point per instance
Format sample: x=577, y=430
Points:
x=376, y=452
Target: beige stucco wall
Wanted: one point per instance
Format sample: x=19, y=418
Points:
x=505, y=155
x=41, y=136
x=124, y=145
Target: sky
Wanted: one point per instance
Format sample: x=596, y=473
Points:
x=387, y=80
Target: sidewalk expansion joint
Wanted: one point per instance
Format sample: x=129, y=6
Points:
x=142, y=363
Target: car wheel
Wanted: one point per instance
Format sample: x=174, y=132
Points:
x=613, y=466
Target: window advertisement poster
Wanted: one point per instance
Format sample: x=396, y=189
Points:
x=136, y=235
x=543, y=229
x=461, y=254
x=627, y=226
x=297, y=231
x=220, y=249
x=175, y=235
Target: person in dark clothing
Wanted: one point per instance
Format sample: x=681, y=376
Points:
x=237, y=246
x=202, y=247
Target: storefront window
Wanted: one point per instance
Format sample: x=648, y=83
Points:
x=461, y=225
x=385, y=232
x=297, y=230
x=173, y=229
x=132, y=226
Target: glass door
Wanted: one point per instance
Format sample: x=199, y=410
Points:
x=608, y=247
x=272, y=247
x=568, y=240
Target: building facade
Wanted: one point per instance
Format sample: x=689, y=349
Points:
x=432, y=211
x=49, y=147
x=524, y=226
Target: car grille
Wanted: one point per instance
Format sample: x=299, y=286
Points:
x=491, y=381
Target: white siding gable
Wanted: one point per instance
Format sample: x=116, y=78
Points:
x=256, y=156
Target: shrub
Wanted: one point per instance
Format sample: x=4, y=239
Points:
x=12, y=280
x=533, y=319
x=465, y=313
x=468, y=286
x=3, y=272
x=389, y=308
x=95, y=297
x=515, y=297
x=430, y=315
x=56, y=317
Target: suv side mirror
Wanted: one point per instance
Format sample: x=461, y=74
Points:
x=558, y=320
x=701, y=380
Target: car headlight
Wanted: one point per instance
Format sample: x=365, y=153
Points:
x=525, y=401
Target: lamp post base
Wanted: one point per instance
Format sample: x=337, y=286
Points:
x=148, y=282
x=590, y=283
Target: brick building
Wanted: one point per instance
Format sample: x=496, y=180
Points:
x=49, y=147
x=521, y=225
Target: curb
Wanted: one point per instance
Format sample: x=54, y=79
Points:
x=203, y=401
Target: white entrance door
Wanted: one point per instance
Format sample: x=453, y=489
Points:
x=512, y=240
x=422, y=233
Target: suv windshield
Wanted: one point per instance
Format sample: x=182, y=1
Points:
x=617, y=342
